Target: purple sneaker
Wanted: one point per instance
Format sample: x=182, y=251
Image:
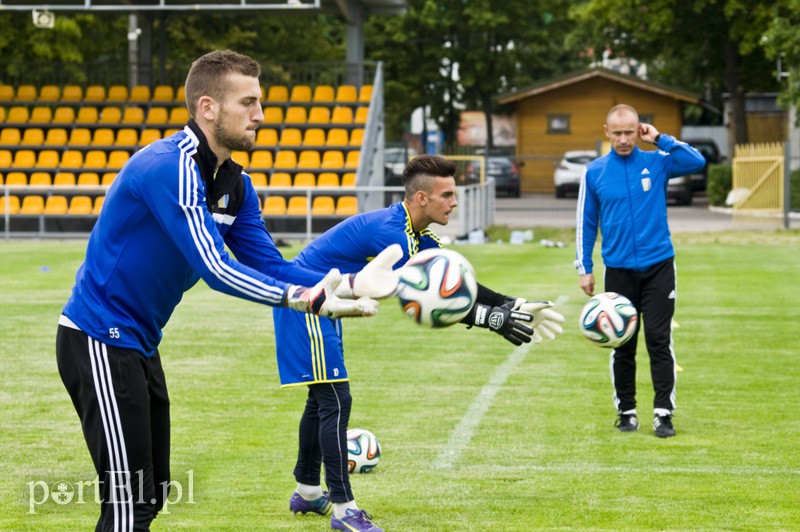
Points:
x=321, y=505
x=354, y=521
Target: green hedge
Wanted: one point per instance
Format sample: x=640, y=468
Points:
x=794, y=190
x=720, y=182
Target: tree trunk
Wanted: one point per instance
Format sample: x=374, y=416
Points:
x=488, y=109
x=737, y=92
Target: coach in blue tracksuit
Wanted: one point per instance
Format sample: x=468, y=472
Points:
x=624, y=194
x=164, y=225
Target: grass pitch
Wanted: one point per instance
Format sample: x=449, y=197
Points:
x=476, y=434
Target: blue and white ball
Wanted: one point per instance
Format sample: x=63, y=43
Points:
x=437, y=287
x=363, y=451
x=609, y=319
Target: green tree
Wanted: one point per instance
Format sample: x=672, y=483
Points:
x=782, y=41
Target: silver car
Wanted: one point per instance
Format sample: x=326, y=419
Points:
x=569, y=169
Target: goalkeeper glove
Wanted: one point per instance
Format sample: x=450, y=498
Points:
x=545, y=320
x=376, y=280
x=322, y=300
x=511, y=324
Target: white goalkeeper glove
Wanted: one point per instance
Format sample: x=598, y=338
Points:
x=322, y=300
x=545, y=320
x=376, y=280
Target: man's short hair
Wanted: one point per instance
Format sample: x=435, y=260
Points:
x=623, y=107
x=209, y=73
x=420, y=172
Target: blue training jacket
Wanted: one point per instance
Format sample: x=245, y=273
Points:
x=157, y=236
x=626, y=198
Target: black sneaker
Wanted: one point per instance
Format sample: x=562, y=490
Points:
x=627, y=423
x=663, y=426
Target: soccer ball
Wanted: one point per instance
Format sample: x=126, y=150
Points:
x=609, y=319
x=363, y=451
x=437, y=287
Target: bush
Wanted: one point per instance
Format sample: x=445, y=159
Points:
x=720, y=182
x=794, y=190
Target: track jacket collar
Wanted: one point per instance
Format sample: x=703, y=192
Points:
x=206, y=160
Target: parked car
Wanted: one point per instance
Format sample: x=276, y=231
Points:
x=711, y=152
x=502, y=169
x=567, y=176
x=680, y=190
x=394, y=161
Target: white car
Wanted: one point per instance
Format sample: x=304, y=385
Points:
x=567, y=176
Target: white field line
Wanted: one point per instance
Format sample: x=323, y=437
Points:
x=683, y=470
x=462, y=434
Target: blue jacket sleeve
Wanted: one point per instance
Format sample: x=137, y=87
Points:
x=179, y=206
x=683, y=159
x=587, y=222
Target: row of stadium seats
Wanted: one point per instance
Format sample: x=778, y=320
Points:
x=82, y=205
x=167, y=95
x=95, y=179
x=113, y=116
x=130, y=138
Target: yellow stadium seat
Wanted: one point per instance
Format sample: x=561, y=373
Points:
x=25, y=93
x=297, y=206
x=274, y=206
x=1, y=179
x=148, y=136
x=16, y=179
x=180, y=95
x=24, y=160
x=117, y=94
x=156, y=116
x=88, y=179
x=319, y=115
x=357, y=137
x=40, y=179
x=103, y=138
x=291, y=137
x=47, y=160
x=349, y=179
x=163, y=94
x=17, y=115
x=6, y=93
x=361, y=115
x=10, y=136
x=346, y=206
x=80, y=136
x=337, y=137
x=263, y=94
x=32, y=205
x=332, y=159
x=300, y=94
x=87, y=116
x=171, y=131
x=285, y=159
x=278, y=94
x=10, y=205
x=72, y=160
x=64, y=179
x=41, y=115
x=351, y=162
x=266, y=138
x=2, y=114
x=323, y=206
x=127, y=138
x=327, y=179
x=49, y=93
x=56, y=137
x=80, y=206
x=64, y=116
x=132, y=116
x=98, y=204
x=296, y=115
x=346, y=94
x=241, y=158
x=56, y=206
x=108, y=178
x=305, y=180
x=323, y=94
x=365, y=94
x=72, y=94
x=117, y=159
x=5, y=158
x=95, y=160
x=140, y=94
x=309, y=159
x=259, y=179
x=280, y=179
x=273, y=115
x=261, y=160
x=94, y=94
x=342, y=115
x=178, y=116
x=314, y=138
x=110, y=115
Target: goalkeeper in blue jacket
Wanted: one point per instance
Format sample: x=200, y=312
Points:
x=315, y=356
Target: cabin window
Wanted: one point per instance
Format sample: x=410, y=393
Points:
x=558, y=124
